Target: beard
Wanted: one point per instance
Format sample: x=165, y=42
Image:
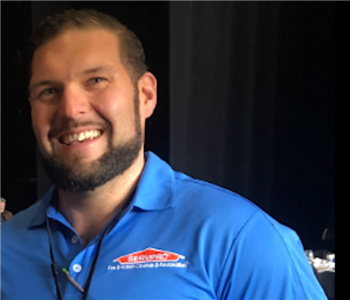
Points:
x=114, y=162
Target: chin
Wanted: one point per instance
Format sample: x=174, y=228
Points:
x=78, y=175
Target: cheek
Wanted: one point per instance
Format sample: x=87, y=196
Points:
x=117, y=108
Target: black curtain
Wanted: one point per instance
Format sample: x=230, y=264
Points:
x=223, y=93
x=18, y=162
x=252, y=101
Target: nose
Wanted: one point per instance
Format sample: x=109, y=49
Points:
x=74, y=104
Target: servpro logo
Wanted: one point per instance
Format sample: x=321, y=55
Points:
x=149, y=258
x=148, y=255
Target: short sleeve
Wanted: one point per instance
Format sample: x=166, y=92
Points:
x=267, y=261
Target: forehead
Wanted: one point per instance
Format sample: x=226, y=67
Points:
x=78, y=48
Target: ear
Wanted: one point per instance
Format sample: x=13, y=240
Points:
x=147, y=86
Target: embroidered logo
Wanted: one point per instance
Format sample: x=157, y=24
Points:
x=149, y=258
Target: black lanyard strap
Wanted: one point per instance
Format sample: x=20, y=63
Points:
x=54, y=268
x=93, y=266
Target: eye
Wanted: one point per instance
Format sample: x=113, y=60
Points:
x=48, y=91
x=95, y=80
x=45, y=92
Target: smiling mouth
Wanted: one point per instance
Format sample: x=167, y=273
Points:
x=80, y=137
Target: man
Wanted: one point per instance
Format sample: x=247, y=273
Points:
x=120, y=223
x=5, y=214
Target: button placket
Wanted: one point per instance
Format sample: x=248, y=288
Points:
x=80, y=266
x=76, y=268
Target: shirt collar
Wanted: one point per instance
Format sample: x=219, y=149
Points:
x=155, y=190
x=39, y=217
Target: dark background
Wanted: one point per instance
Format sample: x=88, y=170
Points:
x=246, y=100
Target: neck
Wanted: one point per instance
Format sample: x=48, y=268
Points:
x=90, y=212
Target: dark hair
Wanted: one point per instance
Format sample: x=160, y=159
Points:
x=131, y=51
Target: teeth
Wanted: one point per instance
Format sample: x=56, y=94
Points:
x=81, y=136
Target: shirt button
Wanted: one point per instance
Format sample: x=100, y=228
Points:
x=75, y=239
x=77, y=268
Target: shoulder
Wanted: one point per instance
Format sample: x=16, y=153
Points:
x=233, y=216
x=212, y=200
x=22, y=220
x=222, y=216
x=230, y=212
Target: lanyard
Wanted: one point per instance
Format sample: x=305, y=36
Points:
x=54, y=267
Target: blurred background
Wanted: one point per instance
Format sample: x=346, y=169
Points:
x=246, y=100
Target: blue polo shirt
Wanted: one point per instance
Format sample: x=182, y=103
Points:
x=181, y=239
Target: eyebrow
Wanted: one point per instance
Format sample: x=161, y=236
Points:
x=98, y=69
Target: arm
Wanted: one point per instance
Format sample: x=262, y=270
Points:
x=267, y=262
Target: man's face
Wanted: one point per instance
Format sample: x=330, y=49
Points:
x=85, y=109
x=2, y=207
